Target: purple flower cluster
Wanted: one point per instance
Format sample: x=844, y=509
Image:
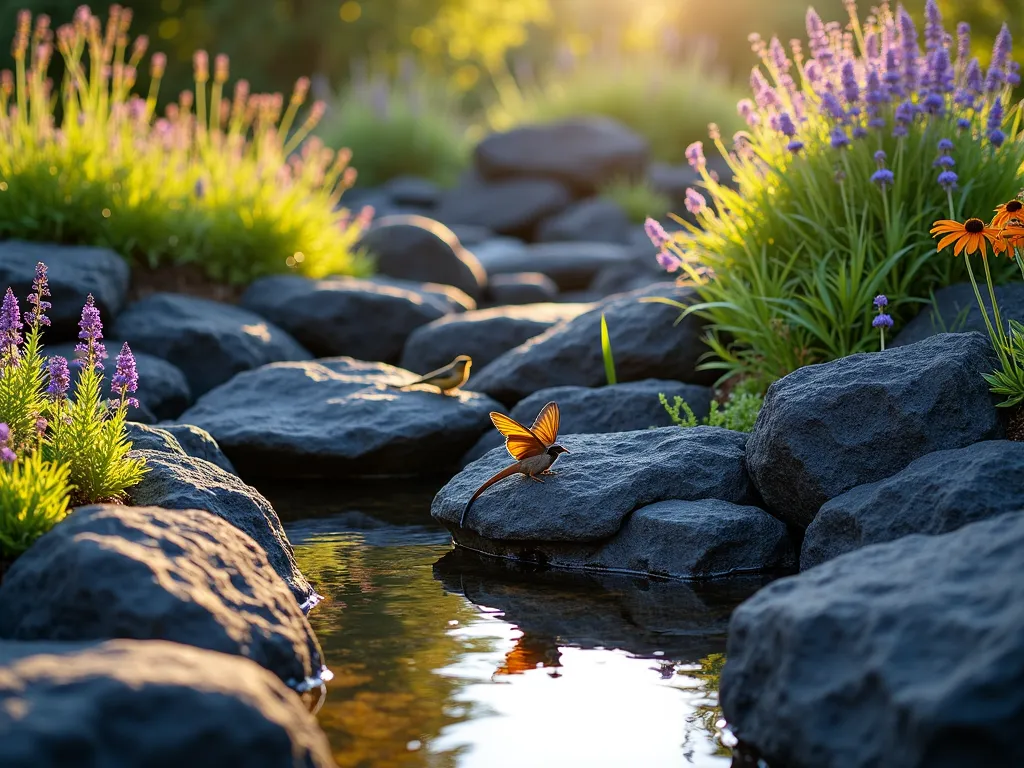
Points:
x=10, y=329
x=7, y=454
x=883, y=320
x=36, y=316
x=126, y=378
x=891, y=83
x=90, y=350
x=60, y=377
x=947, y=177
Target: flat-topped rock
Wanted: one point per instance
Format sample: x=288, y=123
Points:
x=483, y=335
x=938, y=493
x=598, y=483
x=617, y=408
x=572, y=265
x=508, y=207
x=337, y=417
x=645, y=344
x=130, y=703
x=903, y=654
x=147, y=573
x=344, y=316
x=521, y=288
x=210, y=342
x=827, y=428
x=73, y=271
x=596, y=219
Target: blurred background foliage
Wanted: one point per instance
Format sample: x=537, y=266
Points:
x=431, y=76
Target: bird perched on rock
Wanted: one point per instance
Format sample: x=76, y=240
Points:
x=446, y=379
x=533, y=448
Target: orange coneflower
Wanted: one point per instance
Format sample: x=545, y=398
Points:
x=970, y=237
x=1013, y=237
x=1006, y=212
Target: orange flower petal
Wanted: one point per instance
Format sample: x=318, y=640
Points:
x=947, y=241
x=947, y=225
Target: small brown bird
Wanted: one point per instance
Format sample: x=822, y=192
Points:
x=446, y=379
x=534, y=449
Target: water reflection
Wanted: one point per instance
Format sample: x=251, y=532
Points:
x=442, y=661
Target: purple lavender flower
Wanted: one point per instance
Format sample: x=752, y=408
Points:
x=859, y=132
x=995, y=123
x=838, y=138
x=10, y=328
x=963, y=41
x=830, y=104
x=795, y=145
x=695, y=156
x=909, y=49
x=944, y=161
x=880, y=157
x=881, y=300
x=126, y=378
x=60, y=377
x=883, y=177
x=1000, y=55
x=669, y=261
x=945, y=145
x=37, y=299
x=786, y=126
x=948, y=180
x=695, y=202
x=748, y=112
x=851, y=89
x=963, y=124
x=657, y=234
x=90, y=348
x=1013, y=74
x=934, y=34
x=882, y=321
x=7, y=455
x=41, y=425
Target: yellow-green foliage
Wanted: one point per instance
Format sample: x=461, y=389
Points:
x=34, y=497
x=738, y=413
x=225, y=183
x=638, y=199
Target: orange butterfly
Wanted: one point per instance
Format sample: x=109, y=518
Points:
x=533, y=448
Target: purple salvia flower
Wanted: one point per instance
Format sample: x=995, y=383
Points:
x=817, y=37
x=941, y=72
x=995, y=123
x=946, y=145
x=695, y=201
x=748, y=112
x=909, y=50
x=60, y=377
x=90, y=348
x=872, y=46
x=41, y=425
x=934, y=34
x=795, y=145
x=10, y=328
x=859, y=132
x=880, y=158
x=656, y=232
x=944, y=161
x=1013, y=74
x=37, y=299
x=963, y=124
x=1000, y=57
x=126, y=378
x=831, y=106
x=883, y=177
x=882, y=321
x=851, y=88
x=948, y=180
x=893, y=78
x=695, y=156
x=764, y=94
x=838, y=138
x=7, y=455
x=881, y=300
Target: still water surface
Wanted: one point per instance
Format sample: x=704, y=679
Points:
x=441, y=660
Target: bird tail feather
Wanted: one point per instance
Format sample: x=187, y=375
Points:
x=507, y=472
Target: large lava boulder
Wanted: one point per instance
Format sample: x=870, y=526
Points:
x=163, y=388
x=184, y=482
x=74, y=271
x=902, y=654
x=210, y=342
x=598, y=483
x=614, y=408
x=483, y=335
x=179, y=439
x=937, y=493
x=827, y=428
x=509, y=207
x=583, y=153
x=955, y=310
x=424, y=250
x=346, y=316
x=125, y=703
x=665, y=502
x=146, y=573
x=337, y=417
x=644, y=340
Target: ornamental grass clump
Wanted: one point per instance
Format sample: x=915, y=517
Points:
x=58, y=449
x=855, y=144
x=1005, y=235
x=230, y=184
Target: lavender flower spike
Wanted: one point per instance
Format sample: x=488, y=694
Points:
x=60, y=377
x=695, y=155
x=656, y=232
x=882, y=321
x=35, y=317
x=10, y=328
x=126, y=377
x=881, y=301
x=90, y=348
x=695, y=201
x=7, y=455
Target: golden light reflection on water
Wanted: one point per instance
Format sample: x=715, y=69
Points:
x=438, y=663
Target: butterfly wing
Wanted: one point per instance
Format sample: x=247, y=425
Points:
x=546, y=425
x=520, y=441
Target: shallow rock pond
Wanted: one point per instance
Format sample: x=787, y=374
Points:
x=441, y=659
